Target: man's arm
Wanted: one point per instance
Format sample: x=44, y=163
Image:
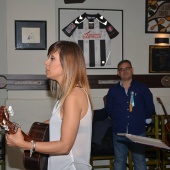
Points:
x=149, y=104
x=109, y=103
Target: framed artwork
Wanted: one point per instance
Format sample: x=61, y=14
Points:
x=30, y=35
x=159, y=59
x=157, y=16
x=98, y=32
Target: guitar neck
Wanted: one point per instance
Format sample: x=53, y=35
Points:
x=166, y=114
x=163, y=107
x=13, y=127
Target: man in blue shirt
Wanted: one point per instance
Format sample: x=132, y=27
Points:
x=130, y=105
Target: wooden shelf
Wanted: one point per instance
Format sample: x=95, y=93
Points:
x=40, y=82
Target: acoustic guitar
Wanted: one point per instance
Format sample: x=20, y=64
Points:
x=167, y=125
x=38, y=132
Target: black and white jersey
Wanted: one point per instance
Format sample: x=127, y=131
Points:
x=93, y=33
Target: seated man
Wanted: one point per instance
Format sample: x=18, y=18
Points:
x=100, y=114
x=101, y=132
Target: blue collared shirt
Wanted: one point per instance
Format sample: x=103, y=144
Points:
x=117, y=107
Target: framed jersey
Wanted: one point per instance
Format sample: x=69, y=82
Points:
x=98, y=32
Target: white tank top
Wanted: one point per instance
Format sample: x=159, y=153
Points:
x=79, y=156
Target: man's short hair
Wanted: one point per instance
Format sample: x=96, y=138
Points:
x=124, y=61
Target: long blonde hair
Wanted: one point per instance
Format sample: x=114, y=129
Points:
x=74, y=69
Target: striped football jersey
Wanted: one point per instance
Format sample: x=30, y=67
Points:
x=93, y=33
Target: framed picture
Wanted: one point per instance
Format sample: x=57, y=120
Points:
x=157, y=16
x=98, y=32
x=159, y=59
x=30, y=35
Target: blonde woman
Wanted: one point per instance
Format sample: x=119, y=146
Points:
x=71, y=121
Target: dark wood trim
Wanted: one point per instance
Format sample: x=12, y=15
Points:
x=40, y=82
x=27, y=82
x=106, y=81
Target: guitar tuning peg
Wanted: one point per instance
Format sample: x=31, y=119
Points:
x=11, y=110
x=6, y=128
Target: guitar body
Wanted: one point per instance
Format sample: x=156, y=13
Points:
x=38, y=132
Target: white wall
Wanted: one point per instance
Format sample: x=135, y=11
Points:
x=29, y=61
x=30, y=106
x=3, y=45
x=3, y=42
x=136, y=41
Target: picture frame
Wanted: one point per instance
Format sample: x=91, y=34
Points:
x=30, y=35
x=159, y=59
x=66, y=16
x=157, y=16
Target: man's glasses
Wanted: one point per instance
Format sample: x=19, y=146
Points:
x=124, y=69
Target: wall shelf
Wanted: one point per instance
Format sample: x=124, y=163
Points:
x=40, y=82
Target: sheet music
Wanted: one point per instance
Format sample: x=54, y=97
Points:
x=146, y=140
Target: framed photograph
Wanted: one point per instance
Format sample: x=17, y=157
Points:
x=159, y=59
x=30, y=35
x=157, y=16
x=98, y=32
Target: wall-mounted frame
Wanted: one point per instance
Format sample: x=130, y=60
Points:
x=159, y=59
x=30, y=35
x=86, y=27
x=157, y=16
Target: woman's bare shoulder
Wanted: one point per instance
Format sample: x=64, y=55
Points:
x=77, y=97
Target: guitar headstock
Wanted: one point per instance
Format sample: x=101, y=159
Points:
x=159, y=100
x=5, y=113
